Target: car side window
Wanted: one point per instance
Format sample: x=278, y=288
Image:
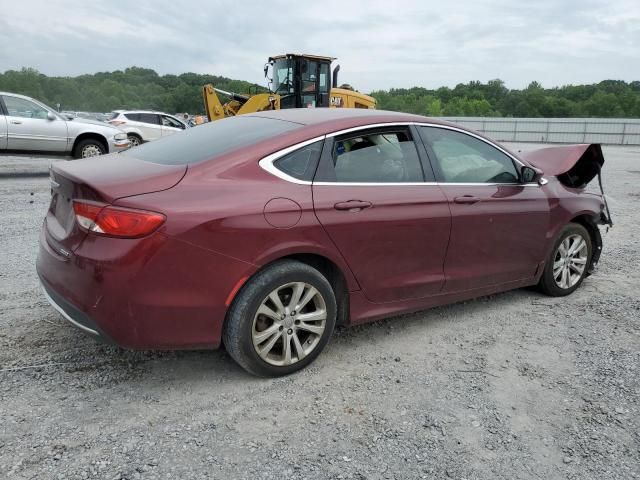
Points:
x=132, y=116
x=170, y=122
x=150, y=118
x=301, y=163
x=19, y=107
x=462, y=158
x=377, y=157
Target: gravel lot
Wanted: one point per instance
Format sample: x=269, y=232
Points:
x=517, y=385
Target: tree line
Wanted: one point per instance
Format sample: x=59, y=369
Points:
x=143, y=88
x=609, y=98
x=133, y=88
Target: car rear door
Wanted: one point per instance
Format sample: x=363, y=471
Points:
x=389, y=223
x=28, y=127
x=499, y=225
x=150, y=125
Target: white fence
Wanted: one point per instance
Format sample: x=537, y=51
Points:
x=612, y=131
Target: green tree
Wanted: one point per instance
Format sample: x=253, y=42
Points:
x=137, y=87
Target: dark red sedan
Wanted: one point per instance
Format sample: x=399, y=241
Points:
x=264, y=231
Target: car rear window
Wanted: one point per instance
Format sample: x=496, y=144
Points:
x=207, y=141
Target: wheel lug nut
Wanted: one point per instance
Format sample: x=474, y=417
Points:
x=293, y=314
x=290, y=331
x=281, y=328
x=297, y=322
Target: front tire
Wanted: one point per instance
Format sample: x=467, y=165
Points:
x=89, y=148
x=568, y=263
x=280, y=320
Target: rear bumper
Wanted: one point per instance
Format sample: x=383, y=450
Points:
x=149, y=293
x=73, y=314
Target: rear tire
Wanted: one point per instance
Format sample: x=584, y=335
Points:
x=287, y=303
x=89, y=148
x=568, y=263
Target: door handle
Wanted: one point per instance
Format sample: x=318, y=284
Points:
x=16, y=122
x=352, y=205
x=469, y=199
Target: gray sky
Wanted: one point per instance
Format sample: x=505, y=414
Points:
x=380, y=44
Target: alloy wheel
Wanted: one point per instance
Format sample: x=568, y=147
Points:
x=91, y=151
x=289, y=324
x=570, y=261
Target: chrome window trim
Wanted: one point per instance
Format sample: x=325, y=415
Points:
x=266, y=163
x=440, y=184
x=478, y=184
x=375, y=184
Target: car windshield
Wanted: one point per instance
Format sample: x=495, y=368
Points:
x=283, y=76
x=205, y=142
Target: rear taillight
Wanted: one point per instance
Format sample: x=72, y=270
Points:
x=115, y=123
x=113, y=221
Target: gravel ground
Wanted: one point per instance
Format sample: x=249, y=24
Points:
x=16, y=166
x=516, y=385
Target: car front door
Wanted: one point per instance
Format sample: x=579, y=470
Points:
x=499, y=224
x=29, y=128
x=3, y=129
x=171, y=125
x=391, y=226
x=151, y=126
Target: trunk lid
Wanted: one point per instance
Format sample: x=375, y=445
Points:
x=101, y=179
x=574, y=165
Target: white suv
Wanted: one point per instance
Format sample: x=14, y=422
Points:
x=145, y=126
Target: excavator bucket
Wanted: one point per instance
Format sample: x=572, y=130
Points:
x=260, y=102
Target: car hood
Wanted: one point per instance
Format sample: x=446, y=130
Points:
x=83, y=124
x=574, y=165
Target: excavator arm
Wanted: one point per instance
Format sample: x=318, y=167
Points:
x=238, y=105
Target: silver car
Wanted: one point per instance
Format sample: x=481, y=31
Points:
x=27, y=125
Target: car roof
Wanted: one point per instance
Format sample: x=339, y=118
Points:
x=18, y=95
x=144, y=111
x=316, y=116
x=322, y=121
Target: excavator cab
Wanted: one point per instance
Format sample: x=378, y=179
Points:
x=297, y=81
x=302, y=81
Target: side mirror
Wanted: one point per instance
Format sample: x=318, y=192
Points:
x=530, y=174
x=51, y=116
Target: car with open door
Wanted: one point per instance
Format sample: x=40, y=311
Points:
x=263, y=232
x=145, y=126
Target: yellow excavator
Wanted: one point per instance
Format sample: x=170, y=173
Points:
x=297, y=81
